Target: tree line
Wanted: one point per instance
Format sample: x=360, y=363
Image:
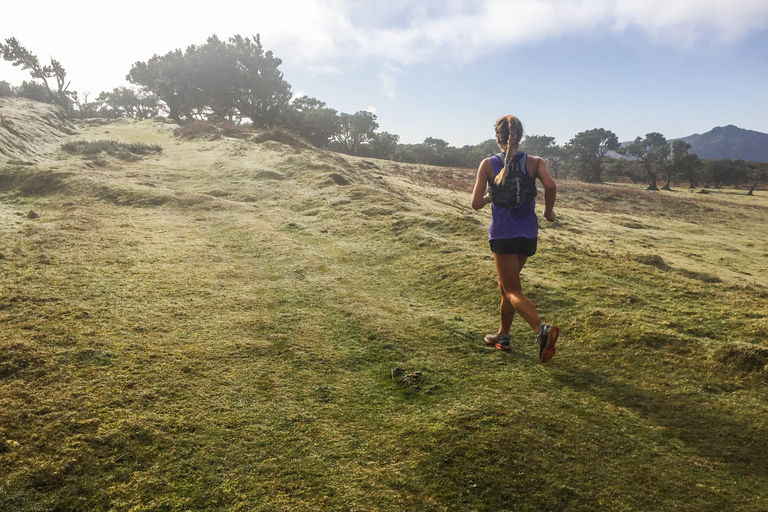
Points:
x=238, y=81
x=596, y=154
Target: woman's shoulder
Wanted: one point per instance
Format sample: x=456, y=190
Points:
x=533, y=158
x=486, y=165
x=533, y=163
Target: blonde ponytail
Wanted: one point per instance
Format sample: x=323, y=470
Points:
x=508, y=128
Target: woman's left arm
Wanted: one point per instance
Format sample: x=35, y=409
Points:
x=550, y=189
x=479, y=197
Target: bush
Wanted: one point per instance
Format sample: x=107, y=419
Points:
x=121, y=150
x=34, y=91
x=5, y=89
x=209, y=129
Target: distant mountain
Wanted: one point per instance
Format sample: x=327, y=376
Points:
x=730, y=142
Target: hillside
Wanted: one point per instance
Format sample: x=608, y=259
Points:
x=219, y=326
x=730, y=142
x=30, y=130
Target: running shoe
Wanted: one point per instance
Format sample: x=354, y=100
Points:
x=498, y=340
x=547, y=338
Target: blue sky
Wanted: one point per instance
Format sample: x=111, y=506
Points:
x=448, y=69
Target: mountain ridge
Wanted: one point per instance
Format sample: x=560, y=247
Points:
x=730, y=143
x=722, y=143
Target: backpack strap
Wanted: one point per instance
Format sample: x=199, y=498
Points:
x=497, y=166
x=519, y=161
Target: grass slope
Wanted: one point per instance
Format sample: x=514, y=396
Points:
x=215, y=327
x=30, y=130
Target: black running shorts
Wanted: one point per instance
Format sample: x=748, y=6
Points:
x=519, y=245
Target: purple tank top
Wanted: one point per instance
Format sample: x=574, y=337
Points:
x=506, y=223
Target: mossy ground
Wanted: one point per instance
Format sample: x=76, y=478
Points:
x=214, y=328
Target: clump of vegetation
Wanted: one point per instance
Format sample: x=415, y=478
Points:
x=128, y=152
x=211, y=130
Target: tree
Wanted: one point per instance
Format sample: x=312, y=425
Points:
x=724, y=173
x=433, y=151
x=310, y=118
x=167, y=78
x=545, y=147
x=652, y=152
x=757, y=173
x=589, y=148
x=218, y=80
x=684, y=165
x=538, y=145
x=213, y=72
x=354, y=130
x=438, y=145
x=616, y=168
x=123, y=101
x=261, y=93
x=384, y=145
x=691, y=169
x=13, y=52
x=293, y=116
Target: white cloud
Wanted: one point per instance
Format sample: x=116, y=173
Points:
x=692, y=21
x=324, y=70
x=387, y=80
x=406, y=33
x=329, y=35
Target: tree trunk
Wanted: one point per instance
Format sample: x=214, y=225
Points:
x=652, y=185
x=752, y=189
x=597, y=175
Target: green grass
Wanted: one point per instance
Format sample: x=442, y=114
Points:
x=214, y=327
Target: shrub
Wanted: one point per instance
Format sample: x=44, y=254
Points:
x=121, y=150
x=5, y=89
x=209, y=129
x=35, y=92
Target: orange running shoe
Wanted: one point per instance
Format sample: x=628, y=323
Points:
x=547, y=338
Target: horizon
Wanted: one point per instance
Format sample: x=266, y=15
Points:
x=631, y=67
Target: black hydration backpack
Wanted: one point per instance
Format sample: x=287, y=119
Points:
x=518, y=188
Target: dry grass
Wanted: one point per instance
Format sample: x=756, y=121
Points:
x=29, y=131
x=215, y=327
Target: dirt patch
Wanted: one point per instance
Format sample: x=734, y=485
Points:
x=699, y=276
x=18, y=358
x=29, y=181
x=283, y=137
x=744, y=357
x=654, y=260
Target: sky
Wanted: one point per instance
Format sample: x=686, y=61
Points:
x=448, y=69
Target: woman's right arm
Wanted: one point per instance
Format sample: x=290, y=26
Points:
x=479, y=197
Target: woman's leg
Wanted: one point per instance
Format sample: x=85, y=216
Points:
x=508, y=268
x=507, y=310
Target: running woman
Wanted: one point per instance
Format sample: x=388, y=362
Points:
x=513, y=233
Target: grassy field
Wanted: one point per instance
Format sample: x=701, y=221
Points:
x=216, y=327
